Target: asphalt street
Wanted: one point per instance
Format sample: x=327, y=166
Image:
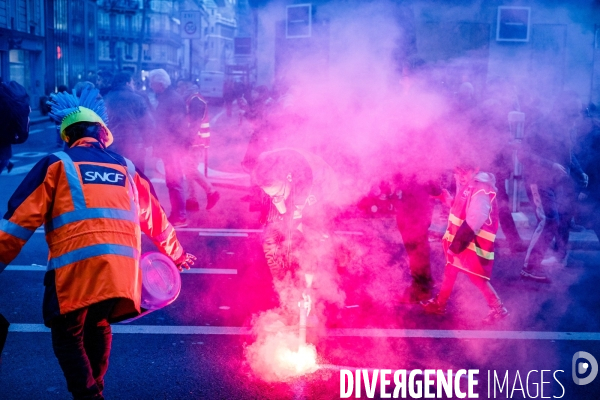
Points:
x=195, y=348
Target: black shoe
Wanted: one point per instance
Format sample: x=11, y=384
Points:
x=575, y=227
x=534, y=276
x=432, y=306
x=495, y=315
x=415, y=294
x=9, y=167
x=212, y=199
x=192, y=205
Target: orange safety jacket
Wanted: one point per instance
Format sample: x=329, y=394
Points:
x=93, y=204
x=478, y=257
x=201, y=126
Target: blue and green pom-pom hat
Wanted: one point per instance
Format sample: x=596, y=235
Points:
x=68, y=109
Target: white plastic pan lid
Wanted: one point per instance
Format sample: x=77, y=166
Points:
x=161, y=280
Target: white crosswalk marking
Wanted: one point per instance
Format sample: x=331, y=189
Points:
x=210, y=271
x=233, y=232
x=225, y=234
x=371, y=333
x=206, y=271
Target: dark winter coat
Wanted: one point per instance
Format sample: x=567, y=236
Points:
x=169, y=116
x=548, y=143
x=311, y=209
x=130, y=119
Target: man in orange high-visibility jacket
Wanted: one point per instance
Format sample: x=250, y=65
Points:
x=93, y=204
x=469, y=240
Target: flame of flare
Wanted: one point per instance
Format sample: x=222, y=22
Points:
x=277, y=357
x=297, y=362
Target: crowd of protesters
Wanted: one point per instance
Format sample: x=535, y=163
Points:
x=557, y=152
x=552, y=157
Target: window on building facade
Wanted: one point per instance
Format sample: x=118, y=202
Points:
x=60, y=16
x=163, y=6
x=162, y=52
x=137, y=23
x=513, y=24
x=33, y=20
x=16, y=56
x=129, y=51
x=61, y=38
x=92, y=18
x=103, y=21
x=18, y=60
x=227, y=31
x=298, y=21
x=3, y=15
x=91, y=33
x=174, y=57
x=146, y=52
x=242, y=46
x=120, y=23
x=76, y=26
x=104, y=49
x=21, y=23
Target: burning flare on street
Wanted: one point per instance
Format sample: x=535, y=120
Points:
x=278, y=353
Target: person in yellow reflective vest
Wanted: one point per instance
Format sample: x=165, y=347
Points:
x=93, y=204
x=469, y=240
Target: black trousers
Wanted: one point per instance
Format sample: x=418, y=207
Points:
x=414, y=218
x=505, y=209
x=81, y=340
x=554, y=213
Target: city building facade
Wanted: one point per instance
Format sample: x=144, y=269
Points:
x=70, y=42
x=45, y=44
x=543, y=47
x=138, y=36
x=22, y=28
x=155, y=27
x=222, y=51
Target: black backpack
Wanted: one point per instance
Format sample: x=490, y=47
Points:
x=14, y=113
